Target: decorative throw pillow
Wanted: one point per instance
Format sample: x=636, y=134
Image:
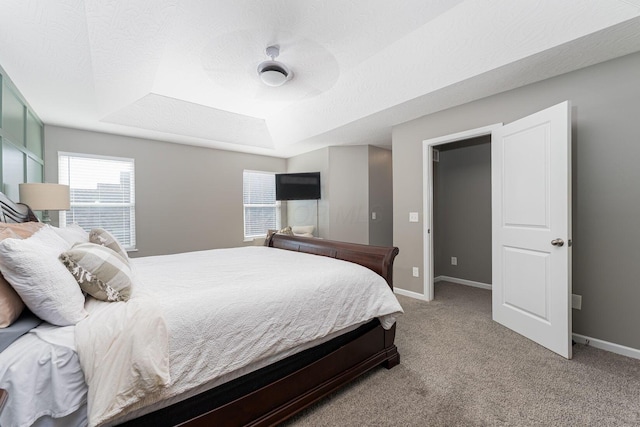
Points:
x=100, y=271
x=286, y=230
x=102, y=237
x=10, y=304
x=72, y=233
x=32, y=268
x=21, y=230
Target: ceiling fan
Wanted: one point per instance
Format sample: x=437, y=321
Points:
x=274, y=73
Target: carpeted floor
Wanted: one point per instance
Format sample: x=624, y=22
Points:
x=458, y=367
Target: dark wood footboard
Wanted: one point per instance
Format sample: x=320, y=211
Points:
x=283, y=398
x=377, y=258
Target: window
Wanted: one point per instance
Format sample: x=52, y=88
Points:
x=261, y=210
x=102, y=191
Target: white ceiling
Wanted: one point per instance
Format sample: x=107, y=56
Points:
x=184, y=71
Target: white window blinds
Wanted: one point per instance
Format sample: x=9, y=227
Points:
x=261, y=211
x=102, y=191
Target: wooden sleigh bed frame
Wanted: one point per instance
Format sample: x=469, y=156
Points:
x=277, y=392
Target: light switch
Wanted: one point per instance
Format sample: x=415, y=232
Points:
x=413, y=216
x=373, y=215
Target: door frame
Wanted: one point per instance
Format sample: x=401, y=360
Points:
x=427, y=196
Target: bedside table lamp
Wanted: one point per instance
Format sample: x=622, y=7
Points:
x=45, y=197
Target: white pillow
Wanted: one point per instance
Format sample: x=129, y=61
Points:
x=303, y=230
x=32, y=268
x=72, y=234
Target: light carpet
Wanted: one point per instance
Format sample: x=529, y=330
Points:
x=459, y=368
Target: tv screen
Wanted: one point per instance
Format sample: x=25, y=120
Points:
x=298, y=186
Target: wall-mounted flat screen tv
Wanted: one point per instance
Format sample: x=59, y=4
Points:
x=298, y=186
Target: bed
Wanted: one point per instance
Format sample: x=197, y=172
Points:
x=278, y=385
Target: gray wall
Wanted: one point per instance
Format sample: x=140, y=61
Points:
x=310, y=212
x=355, y=180
x=606, y=195
x=462, y=210
x=349, y=194
x=380, y=196
x=187, y=198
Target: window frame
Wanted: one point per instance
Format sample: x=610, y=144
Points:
x=276, y=205
x=131, y=205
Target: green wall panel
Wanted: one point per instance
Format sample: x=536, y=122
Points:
x=21, y=140
x=34, y=135
x=12, y=170
x=34, y=170
x=12, y=116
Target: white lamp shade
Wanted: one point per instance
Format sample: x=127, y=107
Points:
x=43, y=197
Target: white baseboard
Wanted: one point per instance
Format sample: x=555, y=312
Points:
x=593, y=342
x=608, y=346
x=462, y=282
x=410, y=294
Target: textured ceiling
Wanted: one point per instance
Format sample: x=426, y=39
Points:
x=184, y=71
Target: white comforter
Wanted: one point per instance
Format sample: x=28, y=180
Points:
x=224, y=310
x=56, y=388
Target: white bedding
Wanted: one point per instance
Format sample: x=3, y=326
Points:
x=227, y=312
x=56, y=388
x=123, y=351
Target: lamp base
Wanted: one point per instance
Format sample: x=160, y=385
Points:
x=46, y=218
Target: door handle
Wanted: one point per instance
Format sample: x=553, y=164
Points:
x=557, y=242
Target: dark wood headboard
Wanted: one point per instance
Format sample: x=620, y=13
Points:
x=377, y=258
x=15, y=212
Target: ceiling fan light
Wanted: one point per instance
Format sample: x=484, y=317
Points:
x=273, y=73
x=273, y=78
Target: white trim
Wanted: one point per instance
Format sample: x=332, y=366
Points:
x=608, y=346
x=427, y=195
x=276, y=205
x=462, y=282
x=95, y=156
x=427, y=219
x=410, y=294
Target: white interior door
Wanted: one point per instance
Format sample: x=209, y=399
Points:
x=531, y=214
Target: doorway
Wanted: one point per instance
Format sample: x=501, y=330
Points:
x=430, y=147
x=531, y=223
x=462, y=212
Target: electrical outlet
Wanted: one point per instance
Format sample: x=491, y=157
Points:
x=454, y=260
x=576, y=301
x=373, y=215
x=413, y=216
x=416, y=272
